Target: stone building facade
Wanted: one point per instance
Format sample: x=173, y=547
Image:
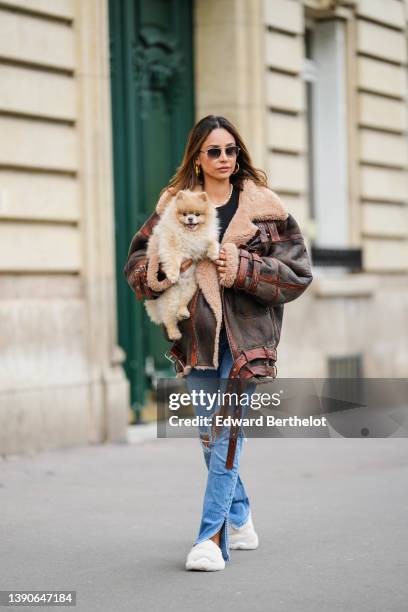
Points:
x=318, y=88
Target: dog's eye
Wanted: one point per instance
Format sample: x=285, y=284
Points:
x=198, y=214
x=184, y=214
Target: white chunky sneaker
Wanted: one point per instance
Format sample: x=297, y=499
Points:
x=205, y=556
x=244, y=538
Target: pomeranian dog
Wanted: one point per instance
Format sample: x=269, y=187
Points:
x=187, y=229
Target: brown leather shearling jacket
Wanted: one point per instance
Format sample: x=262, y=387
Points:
x=267, y=266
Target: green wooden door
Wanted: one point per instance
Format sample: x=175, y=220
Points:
x=152, y=112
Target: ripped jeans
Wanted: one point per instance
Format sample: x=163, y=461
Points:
x=225, y=498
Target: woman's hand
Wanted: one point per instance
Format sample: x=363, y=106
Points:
x=221, y=263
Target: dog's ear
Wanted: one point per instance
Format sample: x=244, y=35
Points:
x=203, y=196
x=180, y=195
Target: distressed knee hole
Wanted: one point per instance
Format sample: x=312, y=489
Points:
x=205, y=441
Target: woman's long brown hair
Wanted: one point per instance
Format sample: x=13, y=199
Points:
x=185, y=176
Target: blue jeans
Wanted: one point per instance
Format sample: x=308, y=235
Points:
x=225, y=497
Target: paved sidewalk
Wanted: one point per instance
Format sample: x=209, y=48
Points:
x=116, y=522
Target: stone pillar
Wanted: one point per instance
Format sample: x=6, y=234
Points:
x=229, y=67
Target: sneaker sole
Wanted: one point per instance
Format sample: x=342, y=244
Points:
x=241, y=545
x=205, y=565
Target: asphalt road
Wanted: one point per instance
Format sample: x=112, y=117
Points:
x=116, y=522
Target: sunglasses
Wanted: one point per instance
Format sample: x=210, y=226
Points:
x=215, y=152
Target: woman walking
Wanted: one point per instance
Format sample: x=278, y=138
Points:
x=235, y=315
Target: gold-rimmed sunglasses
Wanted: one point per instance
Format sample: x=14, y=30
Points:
x=215, y=152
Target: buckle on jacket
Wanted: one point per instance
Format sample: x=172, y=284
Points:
x=170, y=356
x=177, y=360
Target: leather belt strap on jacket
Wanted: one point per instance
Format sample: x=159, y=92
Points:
x=265, y=241
x=176, y=356
x=248, y=355
x=247, y=257
x=232, y=444
x=236, y=377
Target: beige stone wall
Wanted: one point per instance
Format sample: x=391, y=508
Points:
x=285, y=104
x=228, y=67
x=377, y=116
x=348, y=313
x=61, y=381
x=381, y=54
x=341, y=314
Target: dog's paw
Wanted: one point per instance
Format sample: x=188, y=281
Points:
x=213, y=251
x=174, y=334
x=183, y=313
x=173, y=276
x=213, y=256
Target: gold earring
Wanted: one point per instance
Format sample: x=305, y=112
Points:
x=197, y=169
x=236, y=169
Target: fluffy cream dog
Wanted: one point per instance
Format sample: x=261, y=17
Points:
x=187, y=229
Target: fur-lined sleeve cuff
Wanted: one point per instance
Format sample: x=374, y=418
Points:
x=232, y=264
x=153, y=275
x=153, y=263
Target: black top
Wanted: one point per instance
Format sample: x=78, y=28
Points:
x=227, y=211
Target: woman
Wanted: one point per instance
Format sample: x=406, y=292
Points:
x=235, y=314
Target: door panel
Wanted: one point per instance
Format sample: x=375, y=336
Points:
x=152, y=112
